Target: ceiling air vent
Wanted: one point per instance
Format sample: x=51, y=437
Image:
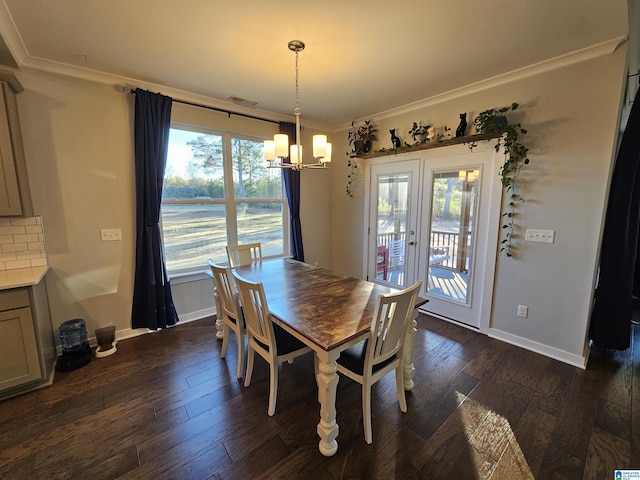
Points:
x=242, y=101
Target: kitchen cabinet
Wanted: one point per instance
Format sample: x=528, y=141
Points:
x=27, y=347
x=15, y=199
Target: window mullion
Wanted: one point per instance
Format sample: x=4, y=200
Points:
x=229, y=194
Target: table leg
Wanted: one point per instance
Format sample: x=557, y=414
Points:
x=219, y=322
x=408, y=369
x=328, y=427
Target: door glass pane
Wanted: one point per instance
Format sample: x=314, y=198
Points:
x=452, y=234
x=393, y=196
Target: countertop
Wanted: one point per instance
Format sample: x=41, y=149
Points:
x=22, y=277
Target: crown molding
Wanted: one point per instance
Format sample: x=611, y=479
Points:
x=126, y=83
x=121, y=82
x=11, y=36
x=577, y=56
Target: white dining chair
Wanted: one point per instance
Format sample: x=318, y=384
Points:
x=232, y=316
x=268, y=339
x=241, y=255
x=370, y=360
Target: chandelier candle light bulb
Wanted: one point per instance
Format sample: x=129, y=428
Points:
x=269, y=150
x=327, y=154
x=294, y=157
x=281, y=144
x=319, y=146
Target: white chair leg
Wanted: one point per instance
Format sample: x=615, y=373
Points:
x=366, y=412
x=273, y=387
x=247, y=378
x=400, y=387
x=225, y=340
x=240, y=338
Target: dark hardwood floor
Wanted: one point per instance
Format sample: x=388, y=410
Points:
x=165, y=406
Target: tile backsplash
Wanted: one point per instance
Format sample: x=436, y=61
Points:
x=21, y=243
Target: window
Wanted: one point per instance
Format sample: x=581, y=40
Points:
x=218, y=191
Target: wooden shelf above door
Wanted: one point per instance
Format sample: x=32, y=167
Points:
x=428, y=145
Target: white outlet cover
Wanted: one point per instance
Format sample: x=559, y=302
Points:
x=110, y=234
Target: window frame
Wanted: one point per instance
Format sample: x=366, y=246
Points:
x=229, y=200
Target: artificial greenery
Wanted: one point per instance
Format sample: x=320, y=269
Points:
x=367, y=133
x=493, y=120
x=445, y=134
x=360, y=137
x=352, y=164
x=419, y=133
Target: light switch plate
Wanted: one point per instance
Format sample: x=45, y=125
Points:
x=542, y=236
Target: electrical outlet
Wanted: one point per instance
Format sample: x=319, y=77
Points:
x=542, y=236
x=523, y=311
x=110, y=234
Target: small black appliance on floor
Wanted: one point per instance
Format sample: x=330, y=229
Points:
x=76, y=351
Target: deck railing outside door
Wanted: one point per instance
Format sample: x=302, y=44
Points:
x=444, y=248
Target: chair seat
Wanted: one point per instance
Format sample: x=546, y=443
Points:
x=353, y=358
x=285, y=342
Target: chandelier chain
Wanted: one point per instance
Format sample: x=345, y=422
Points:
x=297, y=109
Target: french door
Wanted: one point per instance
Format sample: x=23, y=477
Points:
x=393, y=223
x=436, y=218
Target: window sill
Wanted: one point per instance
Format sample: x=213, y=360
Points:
x=188, y=277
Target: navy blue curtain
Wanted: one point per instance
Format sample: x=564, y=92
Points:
x=292, y=189
x=611, y=317
x=153, y=306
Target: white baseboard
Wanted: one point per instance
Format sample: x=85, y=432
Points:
x=135, y=332
x=546, y=350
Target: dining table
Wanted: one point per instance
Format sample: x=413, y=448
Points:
x=329, y=312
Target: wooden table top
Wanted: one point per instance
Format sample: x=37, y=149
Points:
x=326, y=307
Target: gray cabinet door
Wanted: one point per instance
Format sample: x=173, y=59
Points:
x=10, y=203
x=19, y=357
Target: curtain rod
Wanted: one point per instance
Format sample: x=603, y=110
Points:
x=208, y=107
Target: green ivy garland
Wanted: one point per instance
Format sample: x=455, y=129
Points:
x=493, y=120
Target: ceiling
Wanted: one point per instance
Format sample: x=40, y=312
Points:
x=361, y=58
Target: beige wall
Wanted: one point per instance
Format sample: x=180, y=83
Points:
x=78, y=148
x=571, y=113
x=78, y=140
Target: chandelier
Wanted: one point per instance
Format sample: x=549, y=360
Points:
x=276, y=150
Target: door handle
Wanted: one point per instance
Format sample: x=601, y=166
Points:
x=412, y=243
